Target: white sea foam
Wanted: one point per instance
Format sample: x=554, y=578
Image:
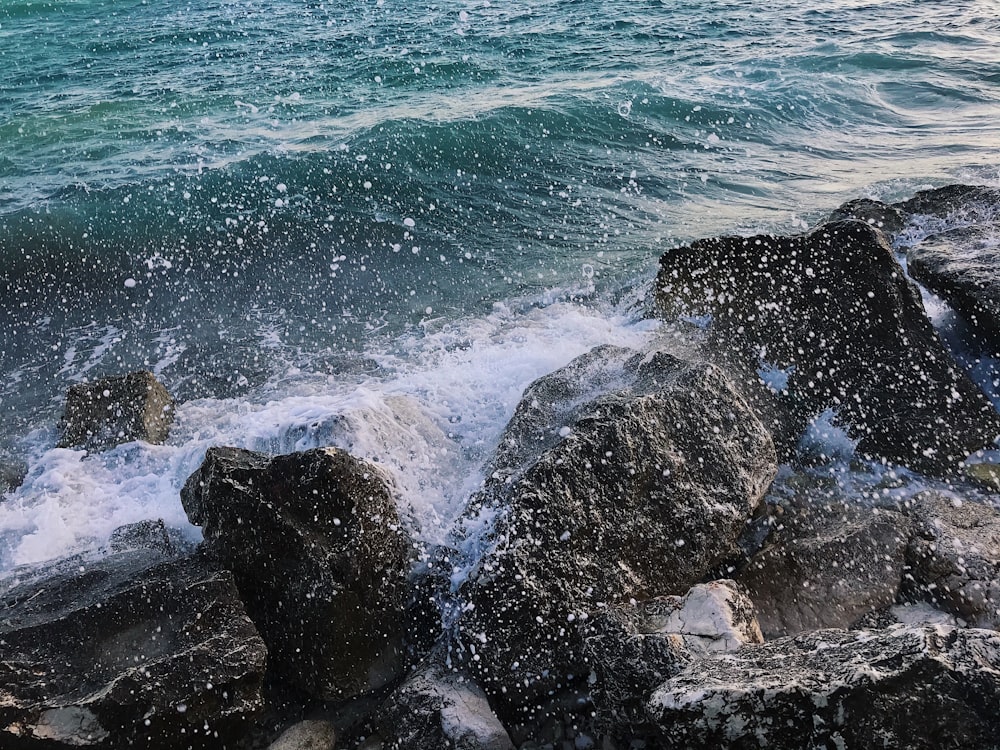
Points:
x=431, y=418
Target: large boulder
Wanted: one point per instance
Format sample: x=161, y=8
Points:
x=828, y=320
x=135, y=649
x=827, y=562
x=954, y=558
x=920, y=688
x=319, y=556
x=621, y=476
x=106, y=412
x=435, y=708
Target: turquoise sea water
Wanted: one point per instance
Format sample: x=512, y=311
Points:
x=289, y=210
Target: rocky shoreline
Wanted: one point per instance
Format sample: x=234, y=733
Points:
x=667, y=561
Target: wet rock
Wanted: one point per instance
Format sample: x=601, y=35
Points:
x=12, y=474
x=132, y=650
x=310, y=734
x=115, y=410
x=621, y=476
x=833, y=315
x=902, y=687
x=826, y=564
x=150, y=534
x=965, y=203
x=890, y=219
x=633, y=649
x=954, y=558
x=962, y=266
x=319, y=556
x=433, y=709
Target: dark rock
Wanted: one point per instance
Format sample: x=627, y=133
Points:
x=620, y=476
x=434, y=709
x=965, y=203
x=826, y=564
x=310, y=734
x=889, y=219
x=143, y=535
x=131, y=650
x=633, y=649
x=919, y=688
x=954, y=558
x=962, y=266
x=12, y=474
x=319, y=556
x=115, y=410
x=833, y=312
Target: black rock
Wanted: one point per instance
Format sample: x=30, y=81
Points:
x=919, y=688
x=832, y=311
x=620, y=476
x=954, y=558
x=110, y=411
x=131, y=650
x=319, y=556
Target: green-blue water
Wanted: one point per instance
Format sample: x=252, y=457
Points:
x=230, y=192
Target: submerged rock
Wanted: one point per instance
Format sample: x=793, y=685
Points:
x=115, y=410
x=826, y=564
x=434, y=709
x=319, y=556
x=132, y=650
x=620, y=476
x=310, y=734
x=920, y=688
x=833, y=315
x=954, y=558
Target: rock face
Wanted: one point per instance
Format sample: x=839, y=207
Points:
x=954, y=558
x=825, y=565
x=132, y=650
x=115, y=410
x=902, y=687
x=311, y=734
x=968, y=204
x=962, y=266
x=620, y=476
x=633, y=649
x=436, y=709
x=832, y=313
x=318, y=555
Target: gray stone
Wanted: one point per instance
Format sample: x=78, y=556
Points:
x=832, y=311
x=310, y=734
x=920, y=688
x=319, y=556
x=110, y=411
x=954, y=558
x=135, y=649
x=434, y=709
x=621, y=476
x=826, y=564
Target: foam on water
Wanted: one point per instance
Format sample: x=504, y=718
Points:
x=431, y=417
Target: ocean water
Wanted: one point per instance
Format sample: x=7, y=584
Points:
x=372, y=224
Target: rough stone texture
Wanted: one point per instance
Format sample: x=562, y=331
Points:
x=826, y=564
x=636, y=490
x=918, y=688
x=962, y=266
x=132, y=649
x=954, y=558
x=435, y=709
x=834, y=312
x=115, y=410
x=315, y=545
x=633, y=649
x=890, y=219
x=311, y=734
